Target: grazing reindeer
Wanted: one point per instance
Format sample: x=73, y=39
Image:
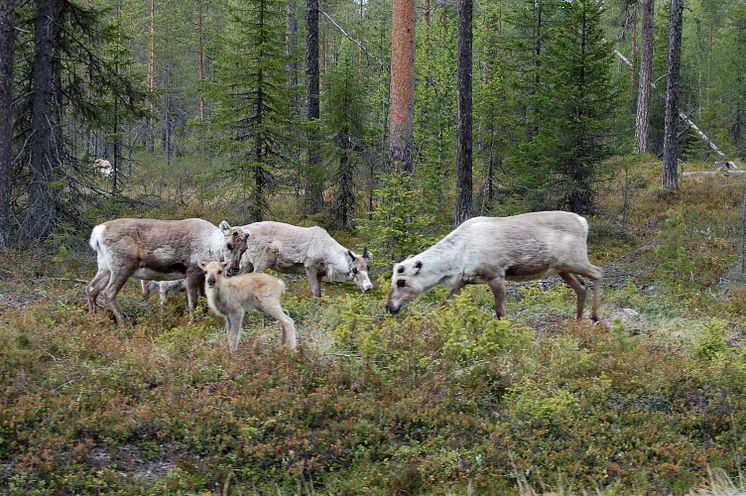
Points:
x=491, y=250
x=150, y=249
x=230, y=297
x=292, y=249
x=163, y=287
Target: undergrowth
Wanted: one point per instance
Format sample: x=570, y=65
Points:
x=442, y=399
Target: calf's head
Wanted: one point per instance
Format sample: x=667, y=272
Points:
x=359, y=269
x=235, y=244
x=213, y=272
x=406, y=283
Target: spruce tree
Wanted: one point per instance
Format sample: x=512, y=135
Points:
x=577, y=102
x=252, y=97
x=345, y=123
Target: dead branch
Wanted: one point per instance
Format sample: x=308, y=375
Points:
x=341, y=29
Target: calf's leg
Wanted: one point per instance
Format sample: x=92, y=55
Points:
x=287, y=324
x=234, y=322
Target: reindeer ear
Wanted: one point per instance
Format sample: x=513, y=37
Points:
x=367, y=254
x=418, y=267
x=246, y=233
x=225, y=227
x=222, y=265
x=352, y=255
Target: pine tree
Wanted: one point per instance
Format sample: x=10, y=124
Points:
x=669, y=176
x=345, y=124
x=577, y=102
x=253, y=101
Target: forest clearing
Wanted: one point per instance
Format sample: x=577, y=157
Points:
x=339, y=361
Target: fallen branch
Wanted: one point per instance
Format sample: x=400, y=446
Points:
x=66, y=279
x=341, y=29
x=689, y=122
x=714, y=173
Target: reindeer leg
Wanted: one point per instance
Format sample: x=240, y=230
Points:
x=573, y=281
x=287, y=325
x=97, y=284
x=314, y=281
x=455, y=291
x=235, y=331
x=194, y=278
x=497, y=286
x=596, y=275
x=116, y=282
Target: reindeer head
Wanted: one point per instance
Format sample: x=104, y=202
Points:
x=406, y=284
x=213, y=272
x=235, y=244
x=359, y=269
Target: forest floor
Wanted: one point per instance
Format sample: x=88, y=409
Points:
x=439, y=400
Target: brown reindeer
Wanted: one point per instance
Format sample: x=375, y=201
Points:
x=231, y=297
x=150, y=249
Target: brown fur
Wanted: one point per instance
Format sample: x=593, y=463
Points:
x=231, y=297
x=150, y=249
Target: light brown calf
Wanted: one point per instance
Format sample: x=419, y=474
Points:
x=230, y=297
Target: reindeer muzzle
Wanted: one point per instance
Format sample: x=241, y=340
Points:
x=392, y=310
x=232, y=271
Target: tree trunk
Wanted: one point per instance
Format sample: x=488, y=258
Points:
x=7, y=48
x=151, y=74
x=635, y=4
x=43, y=208
x=401, y=109
x=314, y=188
x=202, y=72
x=669, y=178
x=463, y=138
x=642, y=124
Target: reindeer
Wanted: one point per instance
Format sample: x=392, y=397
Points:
x=231, y=297
x=103, y=167
x=491, y=250
x=292, y=249
x=150, y=249
x=163, y=287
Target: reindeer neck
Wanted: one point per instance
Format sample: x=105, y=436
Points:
x=441, y=262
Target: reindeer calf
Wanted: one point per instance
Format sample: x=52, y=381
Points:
x=163, y=287
x=231, y=297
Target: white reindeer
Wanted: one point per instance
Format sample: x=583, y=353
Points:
x=293, y=249
x=150, y=249
x=103, y=167
x=231, y=297
x=163, y=287
x=491, y=250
